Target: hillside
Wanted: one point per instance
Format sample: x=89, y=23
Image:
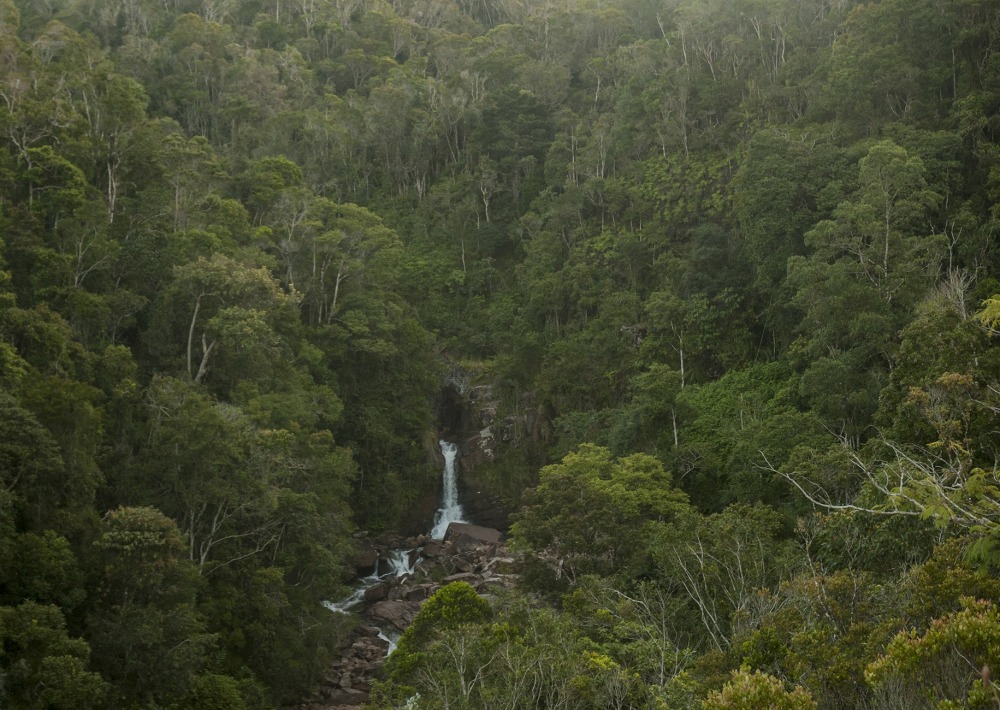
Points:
x=728, y=270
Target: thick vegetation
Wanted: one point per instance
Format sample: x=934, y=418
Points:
x=735, y=261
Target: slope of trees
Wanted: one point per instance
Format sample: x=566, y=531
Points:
x=750, y=243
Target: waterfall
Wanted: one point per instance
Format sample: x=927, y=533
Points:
x=399, y=560
x=450, y=510
x=344, y=606
x=399, y=563
x=391, y=638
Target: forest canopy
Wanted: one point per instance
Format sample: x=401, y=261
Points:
x=735, y=260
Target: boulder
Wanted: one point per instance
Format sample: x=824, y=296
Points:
x=398, y=613
x=364, y=560
x=460, y=577
x=433, y=548
x=377, y=592
x=420, y=593
x=468, y=531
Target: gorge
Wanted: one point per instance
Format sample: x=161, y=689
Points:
x=704, y=294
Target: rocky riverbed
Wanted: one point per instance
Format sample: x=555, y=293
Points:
x=468, y=553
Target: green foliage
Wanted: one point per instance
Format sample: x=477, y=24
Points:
x=450, y=608
x=527, y=657
x=41, y=567
x=147, y=636
x=753, y=239
x=44, y=666
x=32, y=465
x=747, y=691
x=950, y=662
x=737, y=428
x=214, y=692
x=990, y=313
x=594, y=514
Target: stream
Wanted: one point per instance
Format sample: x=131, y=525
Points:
x=402, y=562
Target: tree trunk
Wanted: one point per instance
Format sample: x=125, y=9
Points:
x=194, y=319
x=206, y=351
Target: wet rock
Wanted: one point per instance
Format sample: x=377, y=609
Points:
x=398, y=613
x=364, y=560
x=476, y=556
x=460, y=577
x=420, y=593
x=475, y=533
x=433, y=548
x=377, y=592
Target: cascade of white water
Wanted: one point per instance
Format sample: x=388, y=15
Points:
x=391, y=638
x=450, y=510
x=356, y=596
x=344, y=606
x=399, y=560
x=399, y=563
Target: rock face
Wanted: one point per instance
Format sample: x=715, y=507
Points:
x=365, y=559
x=469, y=553
x=398, y=613
x=471, y=415
x=468, y=535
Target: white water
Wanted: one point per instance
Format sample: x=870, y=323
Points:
x=391, y=638
x=450, y=510
x=399, y=562
x=344, y=606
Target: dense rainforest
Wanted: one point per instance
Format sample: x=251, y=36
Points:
x=736, y=261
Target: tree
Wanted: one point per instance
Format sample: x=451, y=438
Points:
x=350, y=250
x=191, y=171
x=116, y=112
x=40, y=567
x=948, y=481
x=527, y=657
x=148, y=639
x=449, y=608
x=874, y=232
x=232, y=302
x=868, y=265
x=592, y=513
x=722, y=563
x=198, y=456
x=31, y=464
x=780, y=192
x=748, y=691
x=962, y=648
x=44, y=667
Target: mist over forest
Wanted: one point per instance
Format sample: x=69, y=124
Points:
x=705, y=294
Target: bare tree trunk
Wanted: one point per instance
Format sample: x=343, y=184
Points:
x=341, y=275
x=206, y=351
x=194, y=319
